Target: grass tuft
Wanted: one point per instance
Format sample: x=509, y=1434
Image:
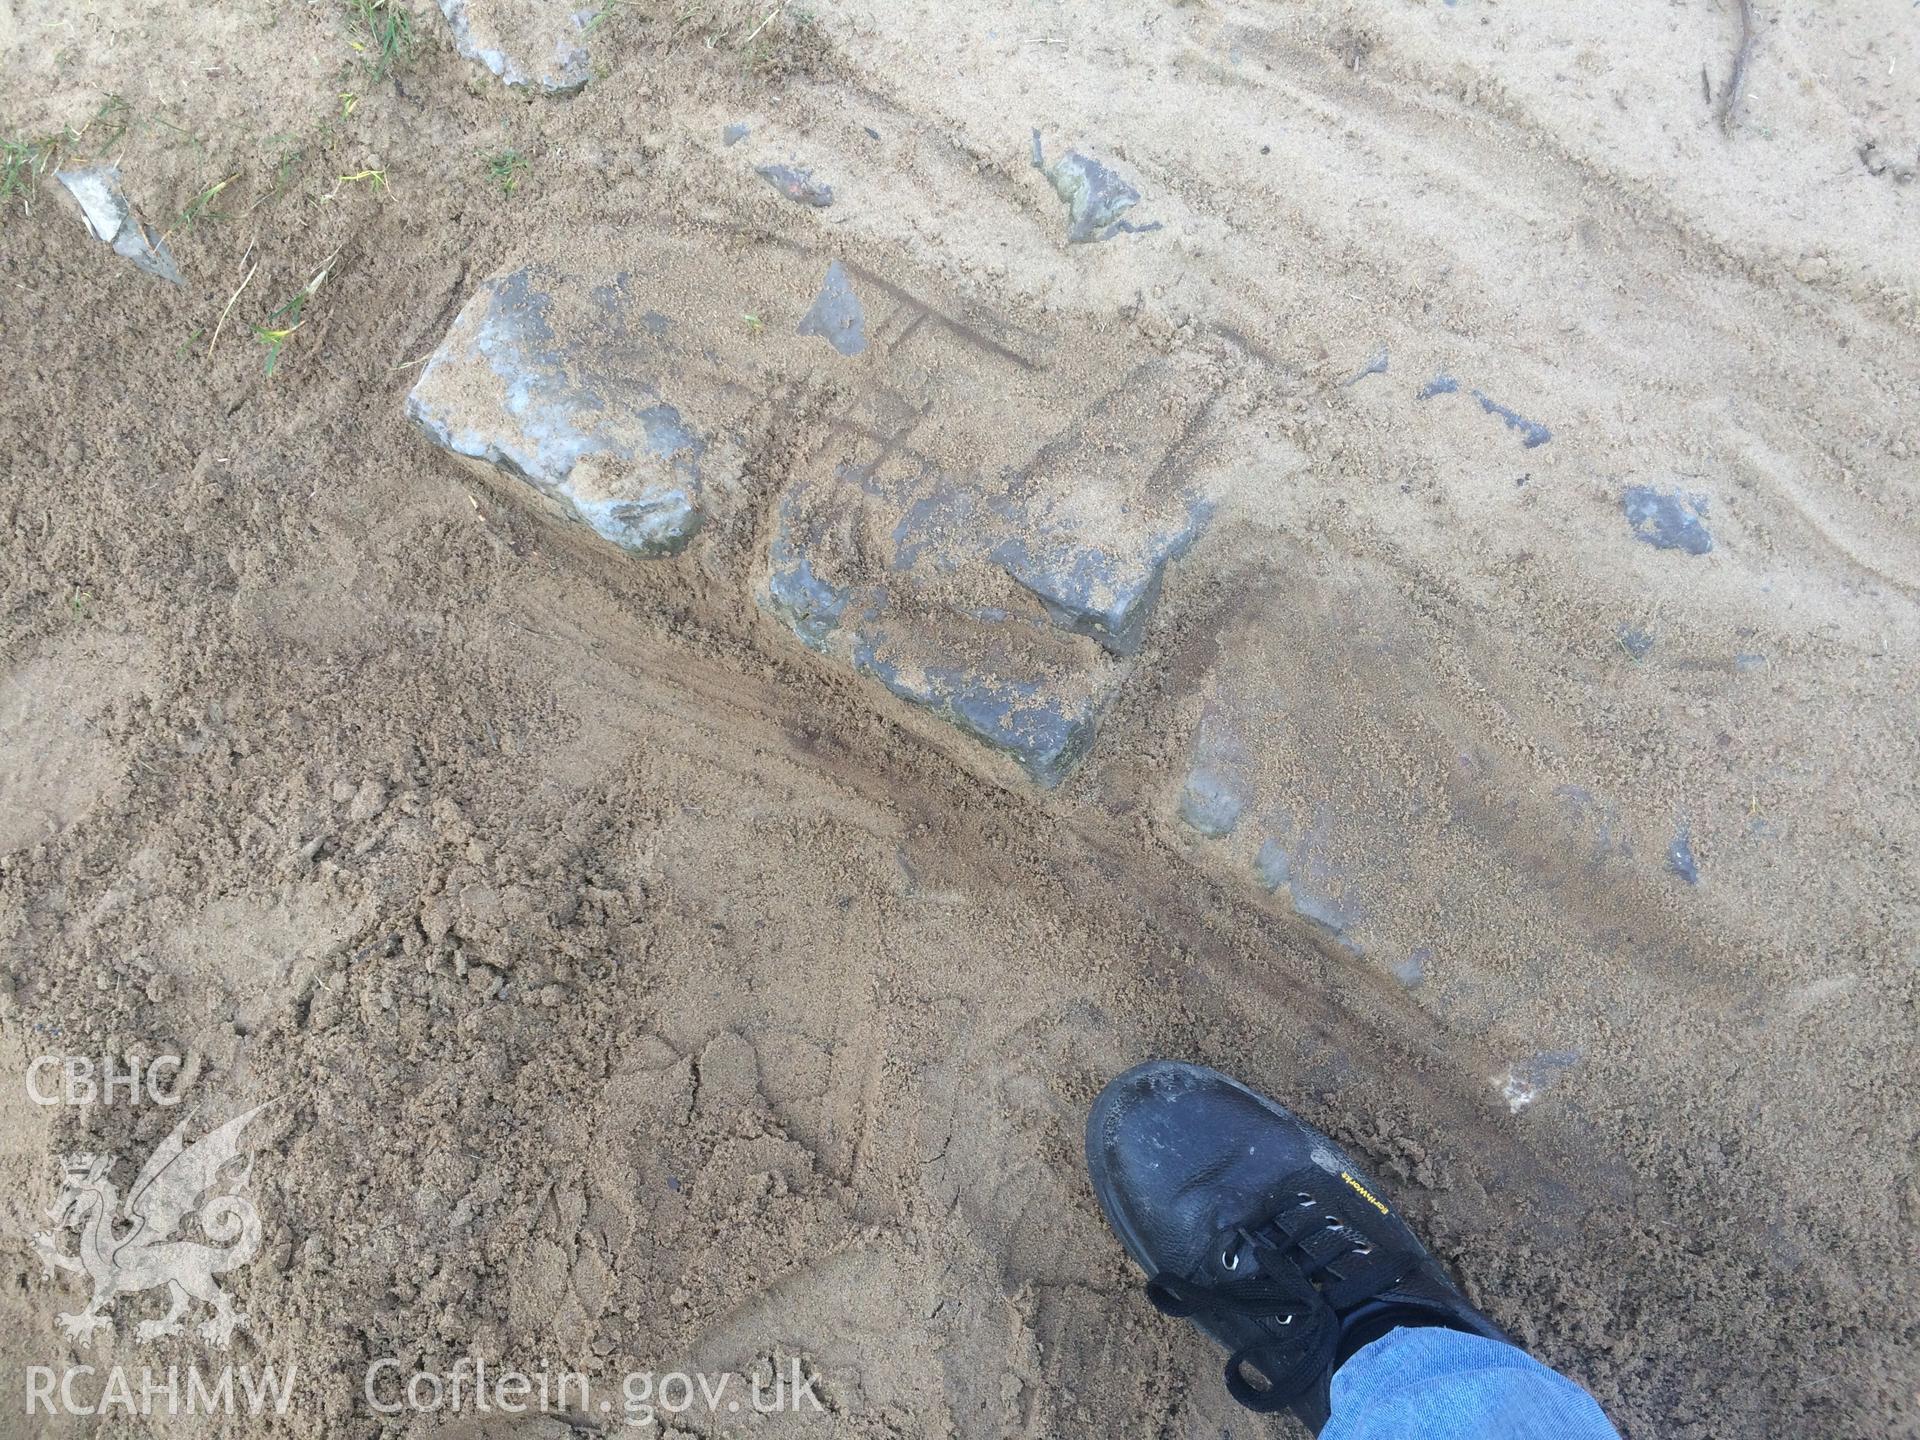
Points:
x=606, y=12
x=201, y=206
x=382, y=31
x=22, y=162
x=279, y=327
x=504, y=168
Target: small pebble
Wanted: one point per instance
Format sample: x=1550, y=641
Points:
x=1680, y=857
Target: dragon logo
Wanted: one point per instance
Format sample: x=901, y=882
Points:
x=126, y=1249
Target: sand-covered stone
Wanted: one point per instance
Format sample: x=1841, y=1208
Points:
x=981, y=535
x=1005, y=675
x=533, y=44
x=1666, y=519
x=982, y=538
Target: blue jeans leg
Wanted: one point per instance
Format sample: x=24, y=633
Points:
x=1429, y=1383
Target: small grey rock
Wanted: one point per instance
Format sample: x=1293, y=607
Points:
x=797, y=185
x=1666, y=520
x=1097, y=198
x=1532, y=432
x=1377, y=365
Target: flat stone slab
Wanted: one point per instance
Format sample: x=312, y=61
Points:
x=967, y=528
x=529, y=44
x=103, y=204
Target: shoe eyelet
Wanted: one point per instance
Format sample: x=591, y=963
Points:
x=1229, y=1260
x=1305, y=1199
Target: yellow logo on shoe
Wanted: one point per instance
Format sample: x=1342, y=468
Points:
x=1365, y=1194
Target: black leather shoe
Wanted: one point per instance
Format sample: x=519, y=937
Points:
x=1261, y=1230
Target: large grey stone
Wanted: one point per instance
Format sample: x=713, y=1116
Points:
x=109, y=217
x=542, y=378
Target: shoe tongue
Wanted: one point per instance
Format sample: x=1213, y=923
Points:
x=1254, y=1209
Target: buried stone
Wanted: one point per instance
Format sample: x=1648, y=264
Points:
x=1532, y=432
x=1680, y=856
x=1095, y=592
x=110, y=218
x=1666, y=520
x=1526, y=1080
x=1211, y=800
x=1044, y=731
x=797, y=184
x=1017, y=686
x=836, y=315
x=505, y=391
x=1303, y=872
x=1376, y=365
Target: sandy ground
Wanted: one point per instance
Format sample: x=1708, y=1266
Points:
x=636, y=992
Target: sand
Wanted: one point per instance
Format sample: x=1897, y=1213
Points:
x=636, y=991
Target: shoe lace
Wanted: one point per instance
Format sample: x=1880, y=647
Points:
x=1300, y=1272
